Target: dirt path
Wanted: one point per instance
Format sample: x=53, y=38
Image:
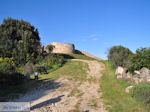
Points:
x=70, y=95
x=91, y=99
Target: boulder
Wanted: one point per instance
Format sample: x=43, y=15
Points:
x=135, y=80
x=120, y=72
x=129, y=76
x=140, y=76
x=144, y=72
x=136, y=72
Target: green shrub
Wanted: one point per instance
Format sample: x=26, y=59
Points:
x=40, y=59
x=140, y=59
x=141, y=92
x=8, y=74
x=20, y=69
x=54, y=59
x=120, y=56
x=6, y=65
x=9, y=60
x=49, y=63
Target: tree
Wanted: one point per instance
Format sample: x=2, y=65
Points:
x=120, y=56
x=19, y=40
x=140, y=59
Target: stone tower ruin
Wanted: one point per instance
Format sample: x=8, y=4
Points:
x=64, y=48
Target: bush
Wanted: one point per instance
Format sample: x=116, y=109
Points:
x=8, y=74
x=54, y=59
x=141, y=92
x=120, y=56
x=6, y=65
x=51, y=60
x=140, y=59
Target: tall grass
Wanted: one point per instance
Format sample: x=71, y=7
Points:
x=141, y=92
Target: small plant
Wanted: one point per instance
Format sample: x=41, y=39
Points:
x=141, y=92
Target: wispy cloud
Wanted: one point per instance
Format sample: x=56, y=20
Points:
x=95, y=38
x=92, y=37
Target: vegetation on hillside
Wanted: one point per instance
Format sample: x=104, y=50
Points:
x=140, y=59
x=120, y=56
x=19, y=40
x=141, y=92
x=114, y=94
x=21, y=53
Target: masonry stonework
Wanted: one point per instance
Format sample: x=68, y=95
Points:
x=65, y=48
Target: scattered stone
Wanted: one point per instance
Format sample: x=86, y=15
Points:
x=128, y=76
x=140, y=76
x=137, y=72
x=127, y=90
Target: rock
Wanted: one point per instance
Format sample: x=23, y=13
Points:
x=148, y=79
x=140, y=76
x=135, y=80
x=144, y=72
x=137, y=72
x=127, y=90
x=144, y=75
x=120, y=72
x=141, y=80
x=128, y=76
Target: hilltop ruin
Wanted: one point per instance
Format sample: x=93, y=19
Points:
x=64, y=48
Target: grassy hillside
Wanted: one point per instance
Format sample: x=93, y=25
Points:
x=114, y=93
x=74, y=69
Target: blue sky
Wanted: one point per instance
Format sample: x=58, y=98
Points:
x=92, y=25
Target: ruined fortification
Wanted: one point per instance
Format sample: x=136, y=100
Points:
x=65, y=48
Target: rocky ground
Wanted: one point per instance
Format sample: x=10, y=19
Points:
x=70, y=95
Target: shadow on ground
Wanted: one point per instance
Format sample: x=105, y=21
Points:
x=29, y=91
x=47, y=102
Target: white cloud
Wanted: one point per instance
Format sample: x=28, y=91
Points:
x=95, y=38
x=92, y=37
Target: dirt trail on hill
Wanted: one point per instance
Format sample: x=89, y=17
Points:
x=70, y=95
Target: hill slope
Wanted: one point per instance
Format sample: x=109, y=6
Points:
x=75, y=87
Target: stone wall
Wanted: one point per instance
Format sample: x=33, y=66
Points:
x=65, y=48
